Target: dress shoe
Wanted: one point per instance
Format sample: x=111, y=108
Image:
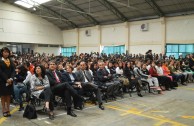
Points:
x=51, y=116
x=140, y=95
x=71, y=114
x=173, y=88
x=101, y=106
x=184, y=84
x=78, y=107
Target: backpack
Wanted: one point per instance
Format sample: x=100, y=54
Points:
x=30, y=112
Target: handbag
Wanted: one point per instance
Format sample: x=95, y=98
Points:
x=30, y=112
x=124, y=80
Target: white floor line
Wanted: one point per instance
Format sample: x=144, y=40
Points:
x=84, y=109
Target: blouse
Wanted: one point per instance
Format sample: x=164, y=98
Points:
x=35, y=81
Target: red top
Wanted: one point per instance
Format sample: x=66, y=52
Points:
x=153, y=72
x=31, y=69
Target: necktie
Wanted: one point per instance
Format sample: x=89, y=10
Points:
x=55, y=75
x=85, y=75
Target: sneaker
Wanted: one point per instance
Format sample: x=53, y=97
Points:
x=21, y=109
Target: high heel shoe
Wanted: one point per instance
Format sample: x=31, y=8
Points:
x=5, y=114
x=8, y=114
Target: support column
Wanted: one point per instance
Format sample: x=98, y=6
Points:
x=99, y=38
x=163, y=32
x=127, y=37
x=78, y=45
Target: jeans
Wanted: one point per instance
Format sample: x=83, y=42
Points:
x=18, y=91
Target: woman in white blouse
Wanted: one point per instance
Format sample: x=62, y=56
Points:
x=40, y=88
x=119, y=69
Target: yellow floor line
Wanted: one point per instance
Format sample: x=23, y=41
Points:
x=2, y=119
x=159, y=123
x=147, y=116
x=187, y=88
x=188, y=117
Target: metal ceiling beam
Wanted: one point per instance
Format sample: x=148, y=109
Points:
x=85, y=15
x=54, y=13
x=155, y=7
x=113, y=9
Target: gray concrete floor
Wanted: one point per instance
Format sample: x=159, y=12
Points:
x=174, y=108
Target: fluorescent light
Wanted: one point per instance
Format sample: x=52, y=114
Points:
x=30, y=3
x=39, y=1
x=24, y=4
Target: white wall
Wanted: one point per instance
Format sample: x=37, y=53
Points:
x=142, y=41
x=160, y=31
x=180, y=29
x=17, y=25
x=70, y=37
x=51, y=50
x=114, y=34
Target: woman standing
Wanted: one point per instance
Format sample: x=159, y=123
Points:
x=6, y=80
x=40, y=88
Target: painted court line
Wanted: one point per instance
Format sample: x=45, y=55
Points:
x=83, y=109
x=162, y=120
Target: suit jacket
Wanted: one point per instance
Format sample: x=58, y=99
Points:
x=52, y=79
x=81, y=78
x=68, y=78
x=101, y=73
x=6, y=72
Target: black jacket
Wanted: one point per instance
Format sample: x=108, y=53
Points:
x=101, y=73
x=6, y=72
x=52, y=79
x=68, y=78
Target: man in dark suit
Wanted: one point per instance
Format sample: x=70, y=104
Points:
x=106, y=79
x=61, y=88
x=85, y=77
x=70, y=77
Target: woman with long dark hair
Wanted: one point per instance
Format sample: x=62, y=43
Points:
x=134, y=81
x=7, y=72
x=40, y=88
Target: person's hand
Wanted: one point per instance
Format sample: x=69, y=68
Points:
x=79, y=86
x=9, y=81
x=105, y=77
x=149, y=76
x=109, y=75
x=78, y=83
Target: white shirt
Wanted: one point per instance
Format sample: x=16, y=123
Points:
x=119, y=71
x=148, y=67
x=29, y=74
x=86, y=80
x=159, y=70
x=72, y=78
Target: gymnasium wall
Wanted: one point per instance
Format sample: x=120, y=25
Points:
x=180, y=29
x=51, y=50
x=17, y=25
x=160, y=31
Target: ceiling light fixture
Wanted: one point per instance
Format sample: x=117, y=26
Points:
x=30, y=3
x=34, y=8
